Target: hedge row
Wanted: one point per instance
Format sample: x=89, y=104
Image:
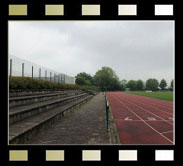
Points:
x=26, y=83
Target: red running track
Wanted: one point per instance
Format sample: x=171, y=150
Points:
x=142, y=120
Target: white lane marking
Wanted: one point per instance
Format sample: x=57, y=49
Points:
x=152, y=100
x=139, y=120
x=151, y=113
x=154, y=106
x=167, y=132
x=145, y=122
x=127, y=118
x=151, y=118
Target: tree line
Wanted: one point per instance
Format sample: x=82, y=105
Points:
x=106, y=79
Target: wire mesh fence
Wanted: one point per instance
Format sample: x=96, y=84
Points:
x=23, y=68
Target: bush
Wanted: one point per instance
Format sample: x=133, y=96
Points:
x=27, y=83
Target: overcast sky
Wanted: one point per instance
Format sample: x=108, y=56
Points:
x=133, y=49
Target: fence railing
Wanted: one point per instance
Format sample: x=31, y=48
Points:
x=23, y=68
x=107, y=111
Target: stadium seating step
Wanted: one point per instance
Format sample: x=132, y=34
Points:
x=20, y=113
x=36, y=98
x=24, y=130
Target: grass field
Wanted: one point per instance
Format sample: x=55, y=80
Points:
x=158, y=95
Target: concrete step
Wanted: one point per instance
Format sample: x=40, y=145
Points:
x=26, y=129
x=18, y=93
x=31, y=99
x=20, y=113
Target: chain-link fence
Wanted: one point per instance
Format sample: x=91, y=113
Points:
x=24, y=68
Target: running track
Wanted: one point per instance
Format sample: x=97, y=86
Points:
x=142, y=120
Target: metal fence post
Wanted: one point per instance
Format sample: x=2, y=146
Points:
x=107, y=112
x=10, y=67
x=59, y=78
x=45, y=74
x=22, y=69
x=39, y=73
x=32, y=71
x=50, y=76
x=54, y=78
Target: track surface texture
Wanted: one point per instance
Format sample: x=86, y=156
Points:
x=142, y=120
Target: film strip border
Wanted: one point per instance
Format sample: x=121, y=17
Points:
x=90, y=10
x=122, y=10
x=96, y=9
x=89, y=155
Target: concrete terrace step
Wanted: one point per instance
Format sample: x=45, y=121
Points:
x=36, y=92
x=26, y=129
x=30, y=99
x=20, y=113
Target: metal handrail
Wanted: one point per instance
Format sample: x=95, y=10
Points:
x=107, y=111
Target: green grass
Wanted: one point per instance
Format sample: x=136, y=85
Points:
x=158, y=95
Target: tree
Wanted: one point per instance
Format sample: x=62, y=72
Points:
x=86, y=76
x=132, y=85
x=152, y=84
x=163, y=84
x=140, y=85
x=81, y=81
x=107, y=79
x=171, y=85
x=123, y=84
x=115, y=85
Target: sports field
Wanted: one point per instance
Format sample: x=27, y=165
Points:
x=141, y=119
x=158, y=95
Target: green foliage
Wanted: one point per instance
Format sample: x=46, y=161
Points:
x=163, y=84
x=132, y=84
x=107, y=79
x=140, y=85
x=89, y=79
x=123, y=84
x=26, y=83
x=171, y=85
x=81, y=81
x=152, y=84
x=90, y=89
